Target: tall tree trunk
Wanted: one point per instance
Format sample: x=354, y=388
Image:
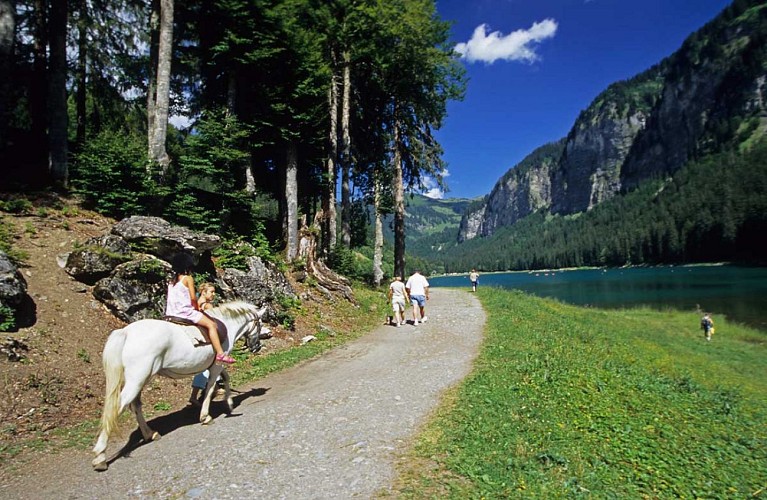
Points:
x=157, y=150
x=329, y=200
x=57, y=127
x=38, y=97
x=291, y=199
x=151, y=90
x=399, y=202
x=346, y=203
x=378, y=244
x=7, y=37
x=81, y=72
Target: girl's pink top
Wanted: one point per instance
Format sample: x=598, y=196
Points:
x=180, y=303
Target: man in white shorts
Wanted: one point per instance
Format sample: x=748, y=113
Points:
x=418, y=288
x=398, y=296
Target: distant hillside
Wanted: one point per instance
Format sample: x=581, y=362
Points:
x=430, y=224
x=705, y=103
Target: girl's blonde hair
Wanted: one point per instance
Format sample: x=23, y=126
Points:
x=205, y=286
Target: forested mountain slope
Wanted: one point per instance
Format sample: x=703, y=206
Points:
x=703, y=108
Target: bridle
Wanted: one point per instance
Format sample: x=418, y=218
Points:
x=254, y=331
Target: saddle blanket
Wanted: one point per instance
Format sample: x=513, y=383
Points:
x=195, y=333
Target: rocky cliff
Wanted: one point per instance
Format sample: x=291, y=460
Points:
x=707, y=97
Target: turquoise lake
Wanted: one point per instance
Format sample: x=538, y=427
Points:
x=740, y=293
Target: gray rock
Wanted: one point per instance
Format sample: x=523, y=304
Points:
x=13, y=287
x=99, y=257
x=158, y=237
x=137, y=289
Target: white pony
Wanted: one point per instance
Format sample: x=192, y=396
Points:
x=149, y=347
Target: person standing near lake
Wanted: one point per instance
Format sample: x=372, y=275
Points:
x=707, y=325
x=418, y=288
x=474, y=278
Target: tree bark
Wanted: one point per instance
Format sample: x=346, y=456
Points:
x=399, y=202
x=151, y=91
x=291, y=197
x=157, y=150
x=346, y=205
x=378, y=243
x=81, y=72
x=329, y=200
x=7, y=37
x=58, y=117
x=38, y=96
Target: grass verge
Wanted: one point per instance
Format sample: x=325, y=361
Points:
x=567, y=401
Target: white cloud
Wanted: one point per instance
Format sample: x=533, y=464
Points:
x=180, y=121
x=517, y=46
x=432, y=190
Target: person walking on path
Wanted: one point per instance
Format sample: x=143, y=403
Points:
x=418, y=288
x=707, y=325
x=398, y=296
x=474, y=278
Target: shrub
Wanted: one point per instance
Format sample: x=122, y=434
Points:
x=111, y=174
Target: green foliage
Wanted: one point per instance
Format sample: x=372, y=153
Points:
x=83, y=355
x=287, y=309
x=7, y=318
x=235, y=251
x=112, y=175
x=162, y=406
x=7, y=235
x=566, y=401
x=16, y=206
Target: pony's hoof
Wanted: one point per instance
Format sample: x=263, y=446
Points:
x=100, y=466
x=156, y=436
x=205, y=421
x=229, y=405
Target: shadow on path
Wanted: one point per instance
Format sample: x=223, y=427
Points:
x=189, y=415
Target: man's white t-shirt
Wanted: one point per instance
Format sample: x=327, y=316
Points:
x=417, y=284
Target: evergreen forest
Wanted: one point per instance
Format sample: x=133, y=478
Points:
x=712, y=210
x=245, y=118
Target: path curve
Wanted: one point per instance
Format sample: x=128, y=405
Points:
x=332, y=427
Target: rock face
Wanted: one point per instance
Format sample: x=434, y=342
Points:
x=133, y=284
x=13, y=287
x=589, y=169
x=158, y=237
x=708, y=96
x=137, y=289
x=99, y=257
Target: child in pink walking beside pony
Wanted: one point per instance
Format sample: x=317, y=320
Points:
x=182, y=303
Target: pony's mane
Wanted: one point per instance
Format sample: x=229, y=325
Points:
x=234, y=308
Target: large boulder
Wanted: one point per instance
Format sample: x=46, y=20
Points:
x=97, y=259
x=262, y=285
x=13, y=287
x=158, y=237
x=137, y=289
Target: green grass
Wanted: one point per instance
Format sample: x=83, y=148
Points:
x=568, y=402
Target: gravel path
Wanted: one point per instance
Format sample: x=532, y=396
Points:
x=330, y=428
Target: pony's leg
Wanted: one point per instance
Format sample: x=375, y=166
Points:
x=227, y=390
x=146, y=431
x=129, y=393
x=215, y=371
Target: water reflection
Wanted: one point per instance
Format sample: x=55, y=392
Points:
x=738, y=292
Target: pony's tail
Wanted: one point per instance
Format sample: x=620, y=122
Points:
x=115, y=375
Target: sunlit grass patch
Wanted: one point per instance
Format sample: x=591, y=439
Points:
x=569, y=401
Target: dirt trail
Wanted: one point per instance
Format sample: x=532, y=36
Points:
x=330, y=428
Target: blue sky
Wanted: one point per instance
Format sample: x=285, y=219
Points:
x=550, y=59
